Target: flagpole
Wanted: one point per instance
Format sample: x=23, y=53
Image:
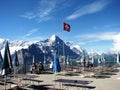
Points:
x=63, y=46
x=64, y=52
x=66, y=27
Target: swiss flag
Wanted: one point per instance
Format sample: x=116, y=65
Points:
x=66, y=27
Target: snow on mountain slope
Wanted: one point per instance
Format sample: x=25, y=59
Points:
x=2, y=42
x=17, y=45
x=75, y=48
x=78, y=47
x=52, y=38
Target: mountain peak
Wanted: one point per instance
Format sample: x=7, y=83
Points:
x=53, y=38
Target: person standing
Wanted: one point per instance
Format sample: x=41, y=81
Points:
x=40, y=67
x=51, y=65
x=33, y=68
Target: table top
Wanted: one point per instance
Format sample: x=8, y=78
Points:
x=33, y=80
x=82, y=86
x=73, y=81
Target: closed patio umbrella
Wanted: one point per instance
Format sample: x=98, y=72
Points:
x=7, y=66
x=16, y=62
x=56, y=64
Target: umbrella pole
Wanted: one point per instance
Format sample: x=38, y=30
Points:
x=55, y=79
x=5, y=78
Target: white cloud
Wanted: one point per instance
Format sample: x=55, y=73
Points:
x=35, y=38
x=89, y=9
x=43, y=12
x=106, y=36
x=81, y=43
x=98, y=36
x=116, y=42
x=29, y=15
x=31, y=35
x=30, y=32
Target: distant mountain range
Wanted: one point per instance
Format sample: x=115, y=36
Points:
x=43, y=49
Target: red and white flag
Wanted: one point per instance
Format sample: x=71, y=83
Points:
x=66, y=27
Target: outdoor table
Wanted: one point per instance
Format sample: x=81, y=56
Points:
x=74, y=82
x=25, y=77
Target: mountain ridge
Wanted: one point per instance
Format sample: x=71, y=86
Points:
x=41, y=48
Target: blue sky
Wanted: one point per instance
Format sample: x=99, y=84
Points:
x=95, y=24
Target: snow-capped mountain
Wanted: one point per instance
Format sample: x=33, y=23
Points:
x=44, y=50
x=41, y=48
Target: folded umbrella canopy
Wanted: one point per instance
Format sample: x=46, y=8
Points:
x=56, y=64
x=7, y=66
x=16, y=62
